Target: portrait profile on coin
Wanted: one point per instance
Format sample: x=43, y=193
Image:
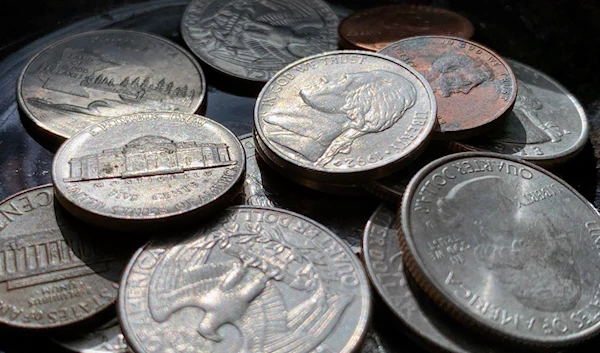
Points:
x=238, y=278
x=341, y=110
x=532, y=256
x=454, y=73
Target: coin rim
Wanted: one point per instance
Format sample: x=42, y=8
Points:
x=497, y=116
x=46, y=129
x=119, y=222
x=365, y=314
x=470, y=29
x=434, y=289
x=376, y=170
x=200, y=55
x=557, y=158
x=58, y=325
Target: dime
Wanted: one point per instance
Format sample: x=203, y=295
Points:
x=263, y=187
x=344, y=117
x=473, y=86
x=547, y=125
x=254, y=39
x=505, y=246
x=255, y=280
x=374, y=28
x=428, y=325
x=105, y=339
x=141, y=169
x=50, y=274
x=87, y=78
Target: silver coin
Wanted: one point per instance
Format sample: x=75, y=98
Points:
x=506, y=246
x=547, y=125
x=255, y=280
x=50, y=274
x=345, y=117
x=87, y=78
x=263, y=187
x=107, y=338
x=428, y=325
x=254, y=39
x=143, y=169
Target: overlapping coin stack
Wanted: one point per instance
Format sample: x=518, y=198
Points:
x=251, y=243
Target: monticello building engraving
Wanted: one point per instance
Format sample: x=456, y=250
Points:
x=148, y=156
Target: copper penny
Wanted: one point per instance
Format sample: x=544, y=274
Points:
x=374, y=28
x=473, y=85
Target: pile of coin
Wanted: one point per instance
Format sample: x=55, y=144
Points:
x=251, y=244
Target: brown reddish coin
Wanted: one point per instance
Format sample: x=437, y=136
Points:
x=474, y=87
x=374, y=28
x=51, y=275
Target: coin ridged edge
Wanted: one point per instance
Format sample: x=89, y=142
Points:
x=419, y=272
x=45, y=130
x=382, y=169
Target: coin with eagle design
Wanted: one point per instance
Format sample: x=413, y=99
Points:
x=253, y=280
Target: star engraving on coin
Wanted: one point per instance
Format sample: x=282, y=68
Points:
x=255, y=39
x=473, y=86
x=547, y=125
x=87, y=78
x=147, y=168
x=257, y=279
x=51, y=275
x=520, y=253
x=365, y=114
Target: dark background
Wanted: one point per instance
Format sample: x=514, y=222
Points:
x=560, y=38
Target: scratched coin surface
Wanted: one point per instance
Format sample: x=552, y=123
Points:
x=107, y=338
x=506, y=246
x=345, y=116
x=87, y=78
x=375, y=28
x=51, y=275
x=254, y=280
x=474, y=87
x=547, y=125
x=264, y=187
x=254, y=39
x=143, y=169
x=428, y=325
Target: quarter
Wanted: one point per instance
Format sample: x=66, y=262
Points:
x=254, y=280
x=144, y=169
x=87, y=78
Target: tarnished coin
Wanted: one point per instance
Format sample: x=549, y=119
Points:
x=255, y=280
x=87, y=78
x=263, y=187
x=345, y=117
x=105, y=339
x=51, y=275
x=547, y=125
x=428, y=325
x=506, y=246
x=142, y=169
x=374, y=28
x=254, y=39
x=473, y=86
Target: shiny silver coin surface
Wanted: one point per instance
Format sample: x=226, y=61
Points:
x=505, y=246
x=143, y=169
x=254, y=39
x=427, y=324
x=345, y=117
x=107, y=338
x=264, y=187
x=51, y=275
x=547, y=125
x=254, y=280
x=87, y=78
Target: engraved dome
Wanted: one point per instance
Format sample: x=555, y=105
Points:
x=150, y=144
